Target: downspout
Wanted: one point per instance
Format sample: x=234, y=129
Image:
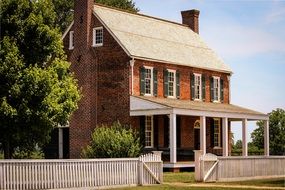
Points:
x=229, y=82
x=132, y=63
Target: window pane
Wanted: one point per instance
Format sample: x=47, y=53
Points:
x=148, y=81
x=170, y=83
x=148, y=131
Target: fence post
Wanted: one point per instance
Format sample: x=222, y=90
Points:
x=140, y=171
x=198, y=168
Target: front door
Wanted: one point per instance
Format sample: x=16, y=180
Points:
x=197, y=139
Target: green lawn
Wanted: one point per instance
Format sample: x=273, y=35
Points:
x=185, y=180
x=276, y=182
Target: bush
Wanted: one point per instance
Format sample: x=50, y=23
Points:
x=116, y=141
x=35, y=153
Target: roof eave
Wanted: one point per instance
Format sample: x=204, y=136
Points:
x=169, y=62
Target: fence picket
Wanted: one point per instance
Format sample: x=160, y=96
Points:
x=47, y=174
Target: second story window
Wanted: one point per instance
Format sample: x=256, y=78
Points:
x=198, y=91
x=197, y=84
x=71, y=40
x=148, y=81
x=97, y=36
x=217, y=89
x=171, y=83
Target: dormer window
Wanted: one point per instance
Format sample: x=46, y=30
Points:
x=97, y=36
x=71, y=40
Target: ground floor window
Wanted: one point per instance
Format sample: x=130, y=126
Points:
x=149, y=131
x=217, y=132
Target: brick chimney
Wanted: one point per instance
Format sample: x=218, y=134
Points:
x=191, y=18
x=82, y=22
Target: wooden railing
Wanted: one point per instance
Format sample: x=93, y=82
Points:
x=211, y=168
x=55, y=174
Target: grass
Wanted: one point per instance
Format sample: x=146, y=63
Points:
x=184, y=180
x=182, y=177
x=276, y=182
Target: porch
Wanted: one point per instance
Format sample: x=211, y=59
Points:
x=182, y=126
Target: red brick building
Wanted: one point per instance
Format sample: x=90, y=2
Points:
x=156, y=75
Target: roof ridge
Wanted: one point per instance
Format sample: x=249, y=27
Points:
x=143, y=15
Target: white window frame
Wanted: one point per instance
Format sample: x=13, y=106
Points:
x=200, y=86
x=218, y=133
x=217, y=79
x=151, y=131
x=151, y=81
x=174, y=83
x=71, y=40
x=94, y=36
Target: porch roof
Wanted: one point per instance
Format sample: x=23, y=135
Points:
x=142, y=105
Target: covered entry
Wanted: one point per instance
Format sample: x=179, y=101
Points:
x=206, y=116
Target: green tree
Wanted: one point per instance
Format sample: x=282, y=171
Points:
x=276, y=133
x=238, y=144
x=37, y=90
x=116, y=141
x=64, y=13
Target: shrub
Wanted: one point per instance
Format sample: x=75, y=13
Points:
x=116, y=141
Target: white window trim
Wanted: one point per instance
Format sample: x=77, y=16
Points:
x=151, y=81
x=174, y=83
x=219, y=93
x=200, y=88
x=94, y=36
x=219, y=138
x=71, y=40
x=151, y=116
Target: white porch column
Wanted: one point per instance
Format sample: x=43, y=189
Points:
x=60, y=143
x=172, y=134
x=225, y=137
x=244, y=140
x=203, y=135
x=266, y=138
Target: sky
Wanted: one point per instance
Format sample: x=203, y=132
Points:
x=249, y=36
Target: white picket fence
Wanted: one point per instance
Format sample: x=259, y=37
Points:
x=210, y=168
x=56, y=174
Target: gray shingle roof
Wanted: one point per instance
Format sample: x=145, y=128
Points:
x=159, y=40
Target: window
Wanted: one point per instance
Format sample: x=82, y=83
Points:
x=149, y=131
x=71, y=40
x=148, y=81
x=171, y=83
x=197, y=84
x=217, y=132
x=98, y=36
x=216, y=89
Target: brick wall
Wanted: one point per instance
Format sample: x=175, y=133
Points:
x=185, y=91
x=103, y=76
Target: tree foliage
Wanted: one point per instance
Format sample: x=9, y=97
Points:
x=276, y=133
x=64, y=13
x=37, y=91
x=116, y=141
